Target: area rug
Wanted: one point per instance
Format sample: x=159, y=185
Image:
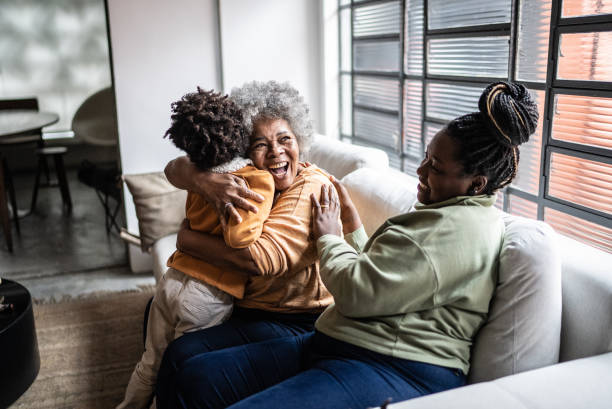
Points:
x=88, y=349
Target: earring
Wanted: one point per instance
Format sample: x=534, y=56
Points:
x=472, y=191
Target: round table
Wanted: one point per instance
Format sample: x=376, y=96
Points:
x=19, y=358
x=14, y=122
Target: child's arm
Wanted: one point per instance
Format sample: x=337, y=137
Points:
x=241, y=235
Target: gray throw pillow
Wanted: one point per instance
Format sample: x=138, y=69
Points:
x=160, y=207
x=523, y=329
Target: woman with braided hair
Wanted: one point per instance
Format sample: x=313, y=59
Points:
x=408, y=301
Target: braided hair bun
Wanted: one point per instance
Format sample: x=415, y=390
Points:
x=509, y=111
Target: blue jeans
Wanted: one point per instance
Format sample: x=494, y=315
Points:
x=244, y=327
x=307, y=371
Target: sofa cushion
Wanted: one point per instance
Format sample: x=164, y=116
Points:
x=340, y=158
x=160, y=207
x=523, y=329
x=587, y=300
x=379, y=194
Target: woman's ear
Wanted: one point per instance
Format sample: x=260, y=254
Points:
x=479, y=183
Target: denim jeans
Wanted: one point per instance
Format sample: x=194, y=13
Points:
x=307, y=371
x=245, y=326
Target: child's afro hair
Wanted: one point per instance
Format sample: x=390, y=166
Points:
x=208, y=127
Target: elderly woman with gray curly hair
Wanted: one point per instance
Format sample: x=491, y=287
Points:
x=285, y=293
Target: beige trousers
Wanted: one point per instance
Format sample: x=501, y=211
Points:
x=181, y=304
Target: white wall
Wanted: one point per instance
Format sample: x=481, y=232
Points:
x=160, y=50
x=274, y=40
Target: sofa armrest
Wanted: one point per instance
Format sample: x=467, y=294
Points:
x=161, y=250
x=582, y=383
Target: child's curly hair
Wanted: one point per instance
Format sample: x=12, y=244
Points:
x=208, y=127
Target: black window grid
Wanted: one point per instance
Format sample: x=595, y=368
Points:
x=551, y=87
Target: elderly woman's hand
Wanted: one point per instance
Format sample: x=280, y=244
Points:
x=326, y=213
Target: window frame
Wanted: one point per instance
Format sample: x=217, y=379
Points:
x=551, y=87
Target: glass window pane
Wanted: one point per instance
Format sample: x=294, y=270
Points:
x=413, y=101
x=446, y=102
x=411, y=165
x=431, y=129
x=579, y=229
x=413, y=55
x=383, y=18
x=377, y=92
x=533, y=32
x=345, y=40
x=583, y=120
x=448, y=14
x=574, y=8
x=468, y=56
x=343, y=2
x=522, y=207
x=585, y=56
x=582, y=181
x=377, y=55
x=378, y=128
x=528, y=176
x=347, y=105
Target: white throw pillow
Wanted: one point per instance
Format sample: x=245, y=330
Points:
x=379, y=194
x=523, y=329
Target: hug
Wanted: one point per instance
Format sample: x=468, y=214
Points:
x=277, y=297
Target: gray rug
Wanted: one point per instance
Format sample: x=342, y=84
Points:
x=88, y=349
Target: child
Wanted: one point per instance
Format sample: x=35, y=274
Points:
x=193, y=294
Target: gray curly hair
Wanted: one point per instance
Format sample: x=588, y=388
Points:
x=275, y=100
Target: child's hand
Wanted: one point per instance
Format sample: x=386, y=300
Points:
x=325, y=217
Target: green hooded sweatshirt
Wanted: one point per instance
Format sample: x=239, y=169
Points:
x=420, y=287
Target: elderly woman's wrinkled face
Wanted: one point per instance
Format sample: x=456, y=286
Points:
x=441, y=175
x=275, y=148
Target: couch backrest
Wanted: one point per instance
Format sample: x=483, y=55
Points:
x=340, y=158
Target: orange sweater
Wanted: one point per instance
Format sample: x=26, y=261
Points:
x=286, y=256
x=202, y=217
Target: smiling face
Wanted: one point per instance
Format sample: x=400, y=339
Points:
x=274, y=148
x=441, y=175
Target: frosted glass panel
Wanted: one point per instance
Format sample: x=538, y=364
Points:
x=383, y=18
x=579, y=229
x=583, y=120
x=413, y=43
x=585, y=182
x=377, y=55
x=468, y=56
x=585, y=56
x=377, y=92
x=446, y=102
x=413, y=95
x=448, y=14
x=575, y=8
x=522, y=207
x=55, y=50
x=533, y=33
x=528, y=176
x=347, y=105
x=345, y=40
x=431, y=129
x=378, y=128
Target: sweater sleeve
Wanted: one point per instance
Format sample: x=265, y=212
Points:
x=371, y=283
x=284, y=244
x=241, y=235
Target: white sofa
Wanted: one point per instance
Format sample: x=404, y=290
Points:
x=548, y=342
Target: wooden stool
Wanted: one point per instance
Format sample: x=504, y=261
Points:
x=57, y=153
